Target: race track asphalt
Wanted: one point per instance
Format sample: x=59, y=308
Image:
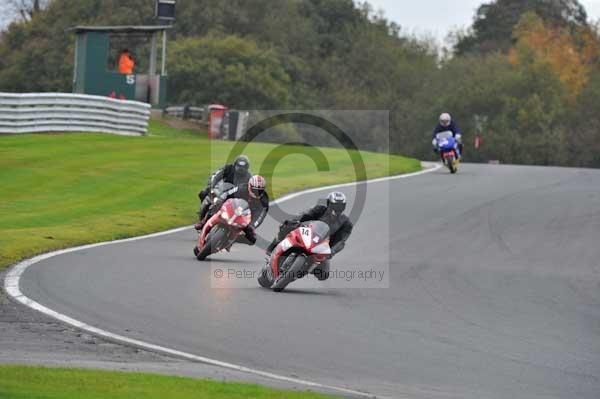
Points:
x=490, y=289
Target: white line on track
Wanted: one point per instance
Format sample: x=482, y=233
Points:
x=12, y=281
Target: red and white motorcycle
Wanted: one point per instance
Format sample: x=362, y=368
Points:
x=223, y=228
x=299, y=254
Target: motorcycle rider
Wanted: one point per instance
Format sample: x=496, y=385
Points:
x=447, y=124
x=235, y=173
x=256, y=196
x=340, y=228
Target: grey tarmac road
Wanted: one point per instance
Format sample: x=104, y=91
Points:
x=494, y=291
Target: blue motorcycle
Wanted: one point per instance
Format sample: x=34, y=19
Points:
x=448, y=149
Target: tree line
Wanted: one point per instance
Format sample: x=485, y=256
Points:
x=525, y=76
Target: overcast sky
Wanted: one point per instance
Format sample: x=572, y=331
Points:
x=438, y=17
x=431, y=17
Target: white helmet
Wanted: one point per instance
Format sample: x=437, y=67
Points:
x=336, y=202
x=445, y=119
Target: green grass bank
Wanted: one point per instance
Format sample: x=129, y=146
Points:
x=24, y=382
x=62, y=190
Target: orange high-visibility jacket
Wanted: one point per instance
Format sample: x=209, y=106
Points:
x=126, y=64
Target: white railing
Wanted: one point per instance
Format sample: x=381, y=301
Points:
x=62, y=112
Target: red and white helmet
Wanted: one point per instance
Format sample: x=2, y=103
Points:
x=256, y=186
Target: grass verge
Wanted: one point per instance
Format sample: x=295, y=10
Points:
x=62, y=190
x=20, y=382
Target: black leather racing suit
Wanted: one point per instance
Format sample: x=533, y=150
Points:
x=227, y=174
x=340, y=229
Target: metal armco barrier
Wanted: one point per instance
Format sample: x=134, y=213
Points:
x=62, y=112
x=186, y=112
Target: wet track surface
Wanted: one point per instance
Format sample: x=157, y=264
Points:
x=494, y=291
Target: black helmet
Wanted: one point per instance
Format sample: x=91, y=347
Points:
x=336, y=202
x=241, y=164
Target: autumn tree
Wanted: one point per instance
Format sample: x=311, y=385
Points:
x=494, y=22
x=569, y=54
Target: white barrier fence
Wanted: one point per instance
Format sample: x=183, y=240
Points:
x=62, y=112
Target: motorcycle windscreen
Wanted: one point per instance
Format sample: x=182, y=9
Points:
x=445, y=141
x=444, y=135
x=320, y=230
x=240, y=206
x=221, y=187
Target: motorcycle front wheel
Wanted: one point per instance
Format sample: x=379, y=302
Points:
x=264, y=279
x=290, y=274
x=213, y=242
x=451, y=164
